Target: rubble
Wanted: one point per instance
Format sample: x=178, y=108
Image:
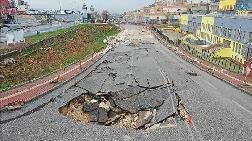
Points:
x=2, y=77
x=144, y=118
x=9, y=61
x=163, y=112
x=134, y=43
x=133, y=107
x=192, y=73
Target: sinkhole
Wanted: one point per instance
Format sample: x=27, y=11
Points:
x=135, y=107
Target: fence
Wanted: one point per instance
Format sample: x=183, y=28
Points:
x=226, y=63
x=12, y=37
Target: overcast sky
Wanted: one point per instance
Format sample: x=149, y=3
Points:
x=114, y=6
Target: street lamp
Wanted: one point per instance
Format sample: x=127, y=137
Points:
x=84, y=12
x=249, y=46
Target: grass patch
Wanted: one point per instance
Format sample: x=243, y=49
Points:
x=6, y=86
x=43, y=36
x=70, y=46
x=46, y=35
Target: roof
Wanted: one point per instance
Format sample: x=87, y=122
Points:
x=4, y=2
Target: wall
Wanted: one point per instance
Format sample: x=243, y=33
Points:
x=227, y=4
x=232, y=33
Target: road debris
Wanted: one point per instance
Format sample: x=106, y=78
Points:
x=192, y=73
x=9, y=61
x=134, y=107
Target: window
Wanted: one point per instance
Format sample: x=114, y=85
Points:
x=250, y=37
x=229, y=33
x=234, y=46
x=239, y=35
x=227, y=43
x=238, y=48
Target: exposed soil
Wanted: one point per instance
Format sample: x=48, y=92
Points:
x=75, y=44
x=116, y=109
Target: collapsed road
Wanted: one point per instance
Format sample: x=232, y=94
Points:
x=131, y=94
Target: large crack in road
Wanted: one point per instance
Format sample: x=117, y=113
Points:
x=125, y=90
x=138, y=85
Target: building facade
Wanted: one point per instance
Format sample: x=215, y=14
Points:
x=241, y=7
x=234, y=34
x=156, y=12
x=159, y=12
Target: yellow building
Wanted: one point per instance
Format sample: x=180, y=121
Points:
x=227, y=5
x=225, y=31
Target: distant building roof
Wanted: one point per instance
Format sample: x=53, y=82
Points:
x=4, y=3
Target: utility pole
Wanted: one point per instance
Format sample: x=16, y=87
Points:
x=59, y=5
x=91, y=13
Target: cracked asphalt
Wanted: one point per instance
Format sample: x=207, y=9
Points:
x=219, y=110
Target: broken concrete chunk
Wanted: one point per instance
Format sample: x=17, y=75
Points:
x=129, y=105
x=94, y=101
x=90, y=107
x=113, y=120
x=1, y=77
x=133, y=107
x=127, y=93
x=192, y=73
x=105, y=105
x=9, y=61
x=164, y=111
x=102, y=115
x=94, y=115
x=144, y=118
x=111, y=114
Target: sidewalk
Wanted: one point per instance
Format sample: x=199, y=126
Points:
x=235, y=79
x=27, y=92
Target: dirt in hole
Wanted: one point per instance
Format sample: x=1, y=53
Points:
x=110, y=109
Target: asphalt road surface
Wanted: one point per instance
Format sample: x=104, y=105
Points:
x=219, y=111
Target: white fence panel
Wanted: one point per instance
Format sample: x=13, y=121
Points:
x=10, y=38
